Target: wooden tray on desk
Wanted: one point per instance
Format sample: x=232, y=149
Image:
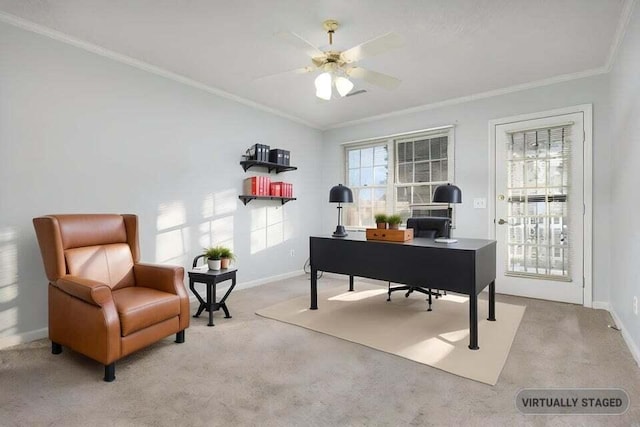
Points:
x=389, y=235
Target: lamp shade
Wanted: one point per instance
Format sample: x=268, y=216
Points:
x=447, y=194
x=343, y=85
x=323, y=86
x=340, y=194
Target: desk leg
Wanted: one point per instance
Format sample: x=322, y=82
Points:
x=492, y=301
x=473, y=322
x=350, y=283
x=211, y=292
x=314, y=288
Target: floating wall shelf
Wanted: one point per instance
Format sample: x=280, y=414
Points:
x=246, y=164
x=247, y=198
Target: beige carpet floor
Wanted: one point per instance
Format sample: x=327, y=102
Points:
x=403, y=327
x=249, y=371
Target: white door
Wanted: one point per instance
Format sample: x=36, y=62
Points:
x=539, y=208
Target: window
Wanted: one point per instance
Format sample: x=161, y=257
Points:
x=398, y=174
x=367, y=176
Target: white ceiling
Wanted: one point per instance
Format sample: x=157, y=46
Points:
x=453, y=49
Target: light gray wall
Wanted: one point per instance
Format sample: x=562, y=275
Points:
x=472, y=153
x=82, y=133
x=625, y=181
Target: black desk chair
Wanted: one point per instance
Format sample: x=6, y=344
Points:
x=431, y=227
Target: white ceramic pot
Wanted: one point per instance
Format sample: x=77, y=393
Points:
x=214, y=264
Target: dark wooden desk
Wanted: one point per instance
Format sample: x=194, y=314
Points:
x=466, y=267
x=211, y=278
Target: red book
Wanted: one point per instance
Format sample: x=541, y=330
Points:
x=267, y=186
x=275, y=189
x=250, y=186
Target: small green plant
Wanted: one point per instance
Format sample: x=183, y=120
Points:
x=214, y=252
x=380, y=218
x=394, y=219
x=226, y=253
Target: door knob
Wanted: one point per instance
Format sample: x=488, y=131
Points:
x=501, y=221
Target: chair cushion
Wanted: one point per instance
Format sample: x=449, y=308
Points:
x=110, y=264
x=139, y=307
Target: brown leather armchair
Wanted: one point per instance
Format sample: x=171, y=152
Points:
x=103, y=303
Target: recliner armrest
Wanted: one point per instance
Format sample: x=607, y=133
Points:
x=91, y=291
x=166, y=278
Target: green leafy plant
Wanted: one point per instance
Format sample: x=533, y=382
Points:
x=380, y=218
x=226, y=253
x=394, y=219
x=214, y=252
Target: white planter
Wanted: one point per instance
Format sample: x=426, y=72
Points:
x=214, y=264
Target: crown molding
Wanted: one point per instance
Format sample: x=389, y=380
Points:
x=623, y=23
x=99, y=50
x=475, y=97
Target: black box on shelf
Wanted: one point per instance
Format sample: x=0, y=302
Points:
x=279, y=156
x=259, y=152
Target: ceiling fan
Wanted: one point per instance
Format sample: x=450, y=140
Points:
x=338, y=66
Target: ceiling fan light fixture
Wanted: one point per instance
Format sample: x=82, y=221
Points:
x=343, y=85
x=323, y=86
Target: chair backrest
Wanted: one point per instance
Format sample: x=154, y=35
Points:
x=429, y=226
x=102, y=247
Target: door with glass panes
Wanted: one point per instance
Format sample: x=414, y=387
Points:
x=539, y=208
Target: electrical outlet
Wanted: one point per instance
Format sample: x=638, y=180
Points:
x=292, y=253
x=480, y=203
x=635, y=305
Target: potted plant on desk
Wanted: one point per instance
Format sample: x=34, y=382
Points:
x=381, y=221
x=226, y=256
x=394, y=221
x=214, y=256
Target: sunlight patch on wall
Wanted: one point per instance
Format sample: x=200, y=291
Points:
x=217, y=232
x=220, y=203
x=267, y=228
x=8, y=320
x=8, y=266
x=172, y=242
x=171, y=215
x=172, y=246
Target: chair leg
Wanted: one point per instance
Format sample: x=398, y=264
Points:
x=180, y=337
x=388, y=291
x=429, y=309
x=56, y=348
x=110, y=372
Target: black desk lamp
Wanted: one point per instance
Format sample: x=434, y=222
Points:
x=340, y=194
x=447, y=194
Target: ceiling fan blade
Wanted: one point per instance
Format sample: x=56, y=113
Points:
x=298, y=42
x=372, y=47
x=373, y=77
x=302, y=70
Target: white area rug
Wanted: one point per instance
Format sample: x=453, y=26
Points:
x=405, y=328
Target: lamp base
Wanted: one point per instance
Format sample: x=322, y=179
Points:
x=445, y=240
x=340, y=232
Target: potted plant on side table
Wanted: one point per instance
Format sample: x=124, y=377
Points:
x=394, y=221
x=226, y=256
x=214, y=256
x=381, y=221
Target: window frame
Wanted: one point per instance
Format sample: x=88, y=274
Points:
x=391, y=143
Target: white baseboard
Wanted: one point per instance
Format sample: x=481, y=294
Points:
x=635, y=352
x=601, y=305
x=11, y=340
